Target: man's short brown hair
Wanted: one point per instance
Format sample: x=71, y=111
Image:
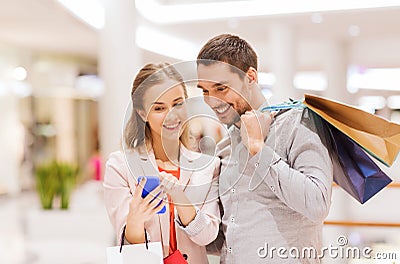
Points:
x=230, y=49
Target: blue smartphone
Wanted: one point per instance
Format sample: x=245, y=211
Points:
x=151, y=183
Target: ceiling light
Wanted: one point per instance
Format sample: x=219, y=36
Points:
x=3, y=89
x=233, y=23
x=354, y=30
x=90, y=11
x=165, y=44
x=310, y=80
x=19, y=73
x=317, y=18
x=375, y=79
x=266, y=79
x=372, y=102
x=393, y=102
x=21, y=89
x=89, y=85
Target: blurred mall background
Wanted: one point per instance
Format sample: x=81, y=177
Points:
x=65, y=74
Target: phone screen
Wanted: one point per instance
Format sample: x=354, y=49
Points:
x=151, y=183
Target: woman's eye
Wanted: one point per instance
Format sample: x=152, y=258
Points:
x=158, y=108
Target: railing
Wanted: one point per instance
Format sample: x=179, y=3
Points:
x=358, y=223
x=366, y=224
x=391, y=185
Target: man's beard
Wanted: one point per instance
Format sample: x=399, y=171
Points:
x=241, y=109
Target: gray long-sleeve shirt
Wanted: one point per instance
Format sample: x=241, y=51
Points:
x=277, y=198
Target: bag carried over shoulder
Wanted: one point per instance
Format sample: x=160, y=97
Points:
x=347, y=132
x=376, y=135
x=354, y=170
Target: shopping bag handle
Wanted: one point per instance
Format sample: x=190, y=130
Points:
x=123, y=239
x=283, y=106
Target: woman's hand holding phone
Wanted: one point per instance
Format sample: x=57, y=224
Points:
x=145, y=207
x=142, y=210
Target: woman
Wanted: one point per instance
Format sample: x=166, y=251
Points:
x=154, y=146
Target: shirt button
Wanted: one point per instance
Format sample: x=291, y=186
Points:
x=232, y=219
x=229, y=250
x=272, y=188
x=257, y=164
x=233, y=190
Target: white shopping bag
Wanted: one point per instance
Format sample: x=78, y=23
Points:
x=137, y=253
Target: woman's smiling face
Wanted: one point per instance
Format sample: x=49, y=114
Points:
x=165, y=110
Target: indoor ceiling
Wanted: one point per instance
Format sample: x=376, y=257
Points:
x=372, y=24
x=46, y=25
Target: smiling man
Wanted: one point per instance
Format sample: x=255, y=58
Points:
x=276, y=175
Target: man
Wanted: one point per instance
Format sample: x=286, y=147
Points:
x=276, y=175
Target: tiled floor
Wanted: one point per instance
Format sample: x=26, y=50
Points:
x=80, y=235
x=32, y=235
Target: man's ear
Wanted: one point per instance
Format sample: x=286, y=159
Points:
x=142, y=114
x=252, y=75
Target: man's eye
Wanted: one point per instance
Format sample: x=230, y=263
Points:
x=205, y=92
x=158, y=108
x=222, y=88
x=179, y=104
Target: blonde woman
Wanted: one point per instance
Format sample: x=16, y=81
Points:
x=155, y=147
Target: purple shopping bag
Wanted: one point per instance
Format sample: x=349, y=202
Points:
x=354, y=170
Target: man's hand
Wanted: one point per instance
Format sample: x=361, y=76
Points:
x=171, y=185
x=254, y=129
x=186, y=211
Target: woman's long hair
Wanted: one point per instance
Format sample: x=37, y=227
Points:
x=137, y=131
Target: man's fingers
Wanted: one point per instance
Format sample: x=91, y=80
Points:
x=168, y=183
x=168, y=176
x=163, y=174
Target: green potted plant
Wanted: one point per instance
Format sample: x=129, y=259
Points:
x=47, y=183
x=56, y=179
x=67, y=174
